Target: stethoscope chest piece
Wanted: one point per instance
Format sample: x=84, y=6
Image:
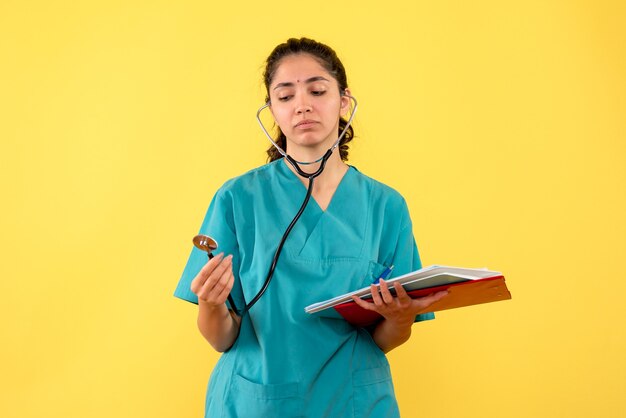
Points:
x=205, y=243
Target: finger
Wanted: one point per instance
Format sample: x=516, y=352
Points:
x=440, y=295
x=376, y=296
x=430, y=299
x=215, y=293
x=205, y=272
x=225, y=271
x=215, y=279
x=210, y=265
x=222, y=266
x=384, y=291
x=401, y=294
x=228, y=286
x=363, y=304
x=208, y=290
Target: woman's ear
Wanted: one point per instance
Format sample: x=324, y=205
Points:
x=345, y=102
x=271, y=110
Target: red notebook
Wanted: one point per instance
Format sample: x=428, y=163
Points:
x=467, y=293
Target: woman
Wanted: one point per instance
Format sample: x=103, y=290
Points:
x=278, y=360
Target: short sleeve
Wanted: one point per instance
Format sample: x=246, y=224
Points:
x=406, y=256
x=219, y=224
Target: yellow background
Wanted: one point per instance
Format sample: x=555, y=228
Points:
x=502, y=123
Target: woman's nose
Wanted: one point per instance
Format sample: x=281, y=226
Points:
x=302, y=105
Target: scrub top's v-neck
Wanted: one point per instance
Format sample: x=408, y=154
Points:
x=315, y=235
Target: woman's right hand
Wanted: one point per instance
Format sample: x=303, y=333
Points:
x=214, y=282
x=212, y=285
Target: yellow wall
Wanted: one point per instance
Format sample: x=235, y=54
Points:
x=503, y=124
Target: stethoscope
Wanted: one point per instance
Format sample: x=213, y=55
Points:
x=206, y=243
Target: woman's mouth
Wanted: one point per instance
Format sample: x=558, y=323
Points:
x=305, y=124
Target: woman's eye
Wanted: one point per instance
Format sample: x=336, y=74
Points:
x=318, y=92
x=284, y=98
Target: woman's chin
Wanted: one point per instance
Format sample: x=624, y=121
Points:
x=310, y=143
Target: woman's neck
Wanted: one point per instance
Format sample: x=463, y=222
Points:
x=326, y=183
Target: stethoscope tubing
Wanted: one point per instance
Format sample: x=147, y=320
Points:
x=279, y=250
x=311, y=177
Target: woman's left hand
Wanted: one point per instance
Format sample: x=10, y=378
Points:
x=400, y=309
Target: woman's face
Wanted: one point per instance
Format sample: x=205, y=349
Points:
x=306, y=103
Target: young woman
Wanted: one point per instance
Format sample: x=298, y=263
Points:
x=279, y=361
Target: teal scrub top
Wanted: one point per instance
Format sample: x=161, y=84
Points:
x=285, y=362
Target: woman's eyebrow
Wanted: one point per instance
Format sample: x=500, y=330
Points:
x=308, y=80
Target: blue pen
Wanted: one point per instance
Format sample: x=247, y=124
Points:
x=385, y=274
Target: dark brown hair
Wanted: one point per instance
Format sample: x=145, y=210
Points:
x=331, y=63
